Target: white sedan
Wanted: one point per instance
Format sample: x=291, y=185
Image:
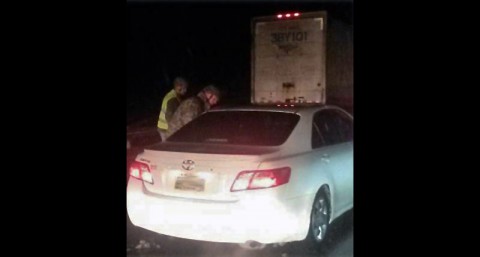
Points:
x=251, y=175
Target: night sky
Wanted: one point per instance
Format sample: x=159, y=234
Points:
x=204, y=42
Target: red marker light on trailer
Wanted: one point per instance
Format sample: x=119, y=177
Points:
x=279, y=16
x=296, y=14
x=287, y=15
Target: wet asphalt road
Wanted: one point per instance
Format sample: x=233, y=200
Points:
x=339, y=244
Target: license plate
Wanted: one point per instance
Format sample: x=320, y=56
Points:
x=190, y=183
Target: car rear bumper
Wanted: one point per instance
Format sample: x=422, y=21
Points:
x=262, y=219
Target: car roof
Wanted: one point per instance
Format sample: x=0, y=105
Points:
x=288, y=108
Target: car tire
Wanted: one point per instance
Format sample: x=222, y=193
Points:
x=319, y=221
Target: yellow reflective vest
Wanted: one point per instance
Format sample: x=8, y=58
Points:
x=162, y=121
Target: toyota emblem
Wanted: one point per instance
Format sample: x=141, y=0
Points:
x=188, y=165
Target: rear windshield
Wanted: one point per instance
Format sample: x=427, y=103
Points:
x=259, y=128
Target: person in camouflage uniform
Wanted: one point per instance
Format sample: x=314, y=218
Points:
x=192, y=107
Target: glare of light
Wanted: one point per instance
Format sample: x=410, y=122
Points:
x=276, y=212
x=204, y=175
x=287, y=15
x=279, y=16
x=286, y=105
x=278, y=105
x=296, y=14
x=147, y=177
x=263, y=182
x=135, y=172
x=175, y=173
x=241, y=183
x=292, y=105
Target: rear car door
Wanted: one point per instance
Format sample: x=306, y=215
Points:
x=332, y=135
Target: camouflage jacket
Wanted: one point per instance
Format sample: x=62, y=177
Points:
x=186, y=112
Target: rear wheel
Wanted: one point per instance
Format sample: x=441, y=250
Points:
x=319, y=221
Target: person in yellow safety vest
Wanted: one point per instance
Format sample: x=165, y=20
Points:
x=170, y=103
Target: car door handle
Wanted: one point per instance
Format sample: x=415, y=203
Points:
x=325, y=157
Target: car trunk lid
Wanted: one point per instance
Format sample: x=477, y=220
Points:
x=199, y=172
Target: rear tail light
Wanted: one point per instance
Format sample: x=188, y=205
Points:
x=141, y=171
x=258, y=179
